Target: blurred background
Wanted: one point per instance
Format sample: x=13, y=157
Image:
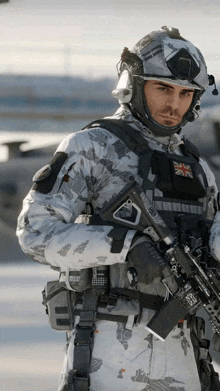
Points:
x=57, y=70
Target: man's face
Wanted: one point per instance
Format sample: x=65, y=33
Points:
x=167, y=103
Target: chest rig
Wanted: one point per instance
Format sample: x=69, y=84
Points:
x=175, y=184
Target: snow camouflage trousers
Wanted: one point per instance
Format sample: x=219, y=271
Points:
x=134, y=360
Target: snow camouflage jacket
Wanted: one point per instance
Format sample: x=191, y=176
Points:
x=95, y=165
x=98, y=166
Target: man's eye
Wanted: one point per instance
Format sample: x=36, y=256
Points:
x=187, y=93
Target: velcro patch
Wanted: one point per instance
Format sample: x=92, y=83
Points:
x=42, y=174
x=183, y=169
x=45, y=178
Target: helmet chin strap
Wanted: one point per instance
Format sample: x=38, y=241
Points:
x=156, y=128
x=141, y=111
x=163, y=131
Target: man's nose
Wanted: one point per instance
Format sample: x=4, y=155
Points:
x=173, y=101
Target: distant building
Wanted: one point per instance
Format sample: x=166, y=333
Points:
x=55, y=97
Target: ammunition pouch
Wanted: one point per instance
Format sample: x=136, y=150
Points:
x=59, y=303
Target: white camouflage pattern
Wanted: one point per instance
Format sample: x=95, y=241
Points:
x=99, y=165
x=125, y=360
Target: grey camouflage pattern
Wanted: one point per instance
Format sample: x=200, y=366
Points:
x=166, y=384
x=81, y=247
x=123, y=335
x=149, y=339
x=95, y=365
x=184, y=342
x=120, y=376
x=64, y=250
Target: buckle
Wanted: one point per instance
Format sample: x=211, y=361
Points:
x=84, y=336
x=80, y=383
x=87, y=316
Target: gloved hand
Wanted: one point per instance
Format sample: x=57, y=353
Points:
x=145, y=258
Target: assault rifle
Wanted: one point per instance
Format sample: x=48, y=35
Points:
x=197, y=287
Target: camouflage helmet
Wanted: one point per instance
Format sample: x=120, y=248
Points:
x=165, y=56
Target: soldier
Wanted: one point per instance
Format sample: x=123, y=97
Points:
x=160, y=85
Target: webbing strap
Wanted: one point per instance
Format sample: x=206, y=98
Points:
x=146, y=301
x=83, y=342
x=133, y=139
x=82, y=384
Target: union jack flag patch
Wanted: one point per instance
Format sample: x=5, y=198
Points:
x=183, y=169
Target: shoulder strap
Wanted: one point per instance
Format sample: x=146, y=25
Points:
x=189, y=148
x=134, y=140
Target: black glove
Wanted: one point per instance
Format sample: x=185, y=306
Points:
x=147, y=261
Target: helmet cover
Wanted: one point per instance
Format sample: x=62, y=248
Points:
x=169, y=56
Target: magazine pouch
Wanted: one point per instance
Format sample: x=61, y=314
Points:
x=59, y=303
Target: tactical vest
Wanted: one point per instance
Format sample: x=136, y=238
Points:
x=176, y=185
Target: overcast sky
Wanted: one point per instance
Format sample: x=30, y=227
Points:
x=75, y=37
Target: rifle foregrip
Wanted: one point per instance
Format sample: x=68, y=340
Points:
x=166, y=318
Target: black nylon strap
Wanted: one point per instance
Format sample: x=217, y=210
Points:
x=134, y=141
x=145, y=300
x=109, y=317
x=144, y=164
x=124, y=132
x=82, y=383
x=83, y=342
x=189, y=148
x=118, y=235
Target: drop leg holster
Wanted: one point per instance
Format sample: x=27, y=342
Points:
x=78, y=379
